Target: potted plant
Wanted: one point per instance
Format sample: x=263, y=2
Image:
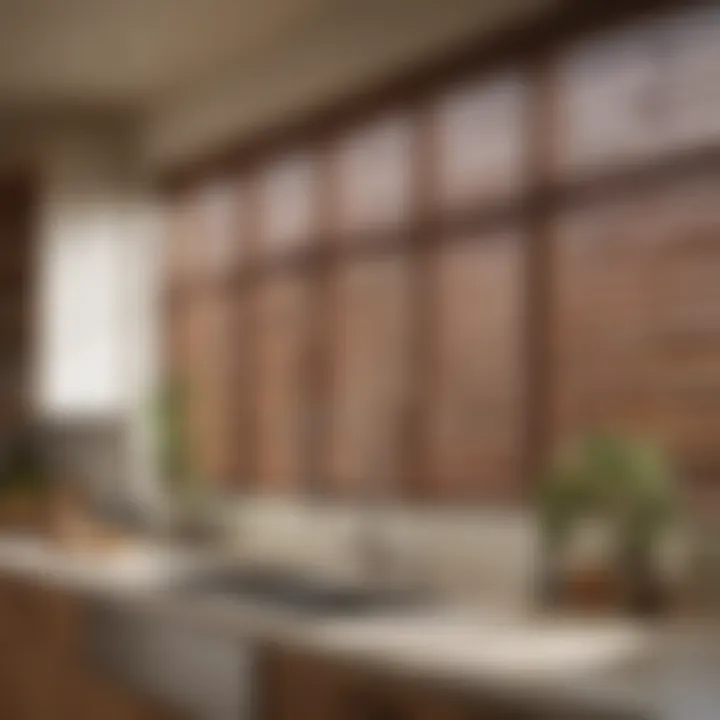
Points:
x=188, y=495
x=625, y=487
x=172, y=436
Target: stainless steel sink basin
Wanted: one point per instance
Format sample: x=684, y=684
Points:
x=298, y=592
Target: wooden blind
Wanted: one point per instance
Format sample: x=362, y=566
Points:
x=476, y=414
x=282, y=324
x=384, y=333
x=370, y=374
x=637, y=321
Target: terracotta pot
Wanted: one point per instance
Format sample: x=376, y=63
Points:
x=594, y=589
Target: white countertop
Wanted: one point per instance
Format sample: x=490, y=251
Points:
x=668, y=673
x=131, y=567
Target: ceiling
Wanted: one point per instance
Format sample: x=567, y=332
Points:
x=125, y=52
x=189, y=76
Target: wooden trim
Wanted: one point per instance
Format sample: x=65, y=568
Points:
x=442, y=227
x=422, y=371
x=320, y=357
x=537, y=340
x=247, y=474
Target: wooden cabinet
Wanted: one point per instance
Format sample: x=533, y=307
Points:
x=17, y=208
x=44, y=674
x=302, y=686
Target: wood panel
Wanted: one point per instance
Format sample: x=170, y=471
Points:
x=636, y=320
x=298, y=686
x=476, y=413
x=303, y=686
x=17, y=220
x=282, y=347
x=44, y=673
x=370, y=374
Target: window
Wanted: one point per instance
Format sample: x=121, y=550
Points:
x=432, y=298
x=288, y=192
x=481, y=148
x=374, y=176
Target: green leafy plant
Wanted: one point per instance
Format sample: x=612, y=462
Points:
x=172, y=434
x=627, y=482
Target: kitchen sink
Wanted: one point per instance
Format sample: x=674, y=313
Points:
x=293, y=591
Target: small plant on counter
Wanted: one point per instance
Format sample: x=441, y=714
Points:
x=624, y=484
x=173, y=438
x=190, y=496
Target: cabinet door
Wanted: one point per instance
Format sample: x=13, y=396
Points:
x=301, y=686
x=11, y=615
x=384, y=698
x=298, y=686
x=98, y=697
x=637, y=320
x=39, y=629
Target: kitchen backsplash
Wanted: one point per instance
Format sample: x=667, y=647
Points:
x=482, y=557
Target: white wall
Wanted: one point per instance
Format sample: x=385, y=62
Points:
x=81, y=265
x=96, y=308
